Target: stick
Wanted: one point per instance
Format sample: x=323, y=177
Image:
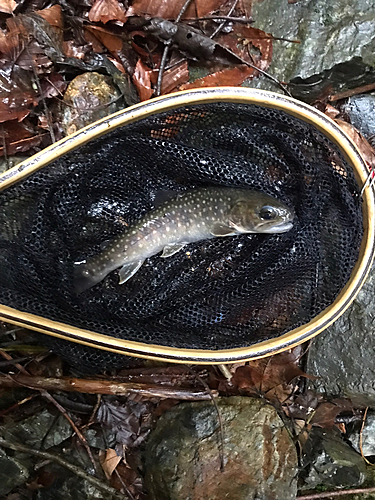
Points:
x=103, y=387
x=330, y=494
x=167, y=45
x=73, y=468
x=222, y=24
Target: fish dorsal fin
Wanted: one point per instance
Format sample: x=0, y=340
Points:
x=171, y=249
x=129, y=270
x=164, y=195
x=220, y=229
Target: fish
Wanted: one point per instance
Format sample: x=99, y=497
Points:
x=192, y=216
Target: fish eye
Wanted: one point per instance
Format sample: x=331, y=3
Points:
x=268, y=213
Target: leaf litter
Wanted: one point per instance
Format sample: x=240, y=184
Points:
x=40, y=53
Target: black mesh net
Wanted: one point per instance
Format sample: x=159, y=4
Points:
x=226, y=292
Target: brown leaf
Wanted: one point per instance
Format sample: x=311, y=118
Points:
x=267, y=374
x=231, y=77
x=170, y=10
x=142, y=80
x=53, y=15
x=366, y=150
x=251, y=44
x=109, y=461
x=7, y=6
x=18, y=138
x=107, y=10
x=174, y=77
x=326, y=413
x=17, y=96
x=112, y=42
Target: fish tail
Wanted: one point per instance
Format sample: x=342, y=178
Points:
x=83, y=280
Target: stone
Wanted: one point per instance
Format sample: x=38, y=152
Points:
x=88, y=98
x=331, y=462
x=182, y=456
x=13, y=473
x=343, y=355
x=40, y=431
x=336, y=49
x=368, y=436
x=361, y=111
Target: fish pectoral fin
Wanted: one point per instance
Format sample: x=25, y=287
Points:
x=129, y=270
x=220, y=229
x=171, y=249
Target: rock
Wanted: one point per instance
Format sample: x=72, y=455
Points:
x=361, y=111
x=182, y=456
x=336, y=50
x=88, y=98
x=368, y=436
x=332, y=462
x=343, y=355
x=40, y=431
x=13, y=473
x=10, y=162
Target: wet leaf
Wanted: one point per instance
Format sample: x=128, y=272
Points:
x=326, y=413
x=174, y=77
x=53, y=15
x=230, y=77
x=112, y=42
x=109, y=461
x=7, y=6
x=366, y=150
x=270, y=376
x=107, y=10
x=170, y=10
x=142, y=80
x=17, y=95
x=17, y=138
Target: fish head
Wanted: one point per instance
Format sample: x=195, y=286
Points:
x=256, y=212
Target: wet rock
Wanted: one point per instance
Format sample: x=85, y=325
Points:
x=368, y=436
x=13, y=473
x=88, y=98
x=182, y=457
x=361, y=111
x=336, y=50
x=343, y=355
x=41, y=431
x=331, y=462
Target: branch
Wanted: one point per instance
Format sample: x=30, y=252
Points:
x=103, y=387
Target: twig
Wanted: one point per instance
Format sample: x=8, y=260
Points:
x=104, y=387
x=349, y=93
x=222, y=24
x=267, y=75
x=6, y=158
x=361, y=438
x=240, y=20
x=73, y=468
x=221, y=447
x=80, y=436
x=167, y=46
x=330, y=494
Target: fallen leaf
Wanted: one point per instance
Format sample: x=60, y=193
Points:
x=231, y=77
x=174, y=77
x=366, y=150
x=142, y=80
x=18, y=138
x=112, y=42
x=326, y=413
x=7, y=6
x=109, y=461
x=53, y=15
x=107, y=10
x=17, y=95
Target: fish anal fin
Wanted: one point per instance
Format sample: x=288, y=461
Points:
x=220, y=229
x=129, y=270
x=171, y=249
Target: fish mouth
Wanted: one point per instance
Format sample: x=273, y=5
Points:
x=281, y=228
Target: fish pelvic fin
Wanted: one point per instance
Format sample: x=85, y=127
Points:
x=129, y=270
x=171, y=249
x=220, y=229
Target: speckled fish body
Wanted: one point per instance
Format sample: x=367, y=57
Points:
x=192, y=216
